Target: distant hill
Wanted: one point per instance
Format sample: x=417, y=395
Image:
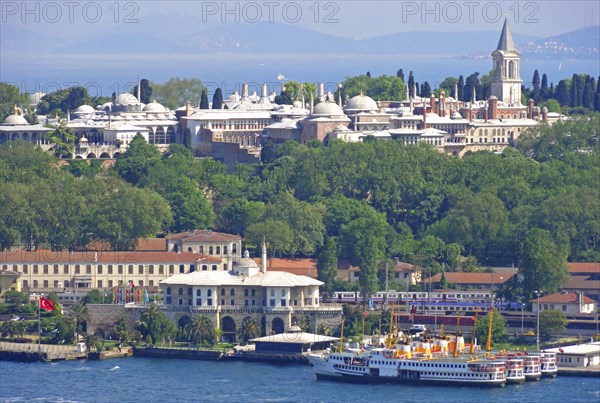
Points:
x=267, y=38
x=581, y=44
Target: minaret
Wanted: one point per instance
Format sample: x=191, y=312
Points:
x=139, y=90
x=263, y=261
x=506, y=77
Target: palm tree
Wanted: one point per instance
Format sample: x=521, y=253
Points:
x=79, y=312
x=250, y=329
x=199, y=330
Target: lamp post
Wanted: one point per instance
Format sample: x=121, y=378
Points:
x=537, y=333
x=522, y=308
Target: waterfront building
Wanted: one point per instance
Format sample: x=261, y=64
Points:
x=470, y=280
x=581, y=355
x=9, y=281
x=584, y=277
x=568, y=303
x=229, y=298
x=226, y=247
x=50, y=271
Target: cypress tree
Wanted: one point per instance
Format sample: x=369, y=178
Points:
x=574, y=89
x=217, y=101
x=461, y=88
x=327, y=264
x=204, y=100
x=597, y=96
x=411, y=84
x=187, y=138
x=400, y=74
x=587, y=98
x=544, y=88
x=562, y=94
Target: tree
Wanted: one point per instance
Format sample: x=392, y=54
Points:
x=190, y=207
x=63, y=139
x=204, y=100
x=217, y=101
x=93, y=297
x=535, y=94
x=187, y=138
x=137, y=161
x=543, y=265
x=176, y=91
x=411, y=85
x=552, y=323
x=498, y=328
x=64, y=100
x=461, y=88
x=200, y=330
x=277, y=234
x=80, y=314
x=239, y=213
x=155, y=325
x=425, y=89
x=145, y=91
x=400, y=74
x=122, y=328
x=250, y=329
x=588, y=93
x=597, y=96
x=327, y=264
x=562, y=93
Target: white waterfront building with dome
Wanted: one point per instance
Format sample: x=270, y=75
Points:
x=274, y=300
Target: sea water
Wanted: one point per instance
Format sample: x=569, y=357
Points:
x=172, y=380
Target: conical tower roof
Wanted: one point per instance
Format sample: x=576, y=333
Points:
x=506, y=42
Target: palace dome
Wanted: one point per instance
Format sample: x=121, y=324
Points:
x=126, y=99
x=85, y=109
x=327, y=108
x=15, y=119
x=154, y=107
x=361, y=103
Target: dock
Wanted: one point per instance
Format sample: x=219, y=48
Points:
x=591, y=372
x=32, y=352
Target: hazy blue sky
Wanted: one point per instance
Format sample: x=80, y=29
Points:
x=342, y=18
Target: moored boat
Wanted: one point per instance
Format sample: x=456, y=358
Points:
x=531, y=368
x=515, y=370
x=547, y=364
x=383, y=365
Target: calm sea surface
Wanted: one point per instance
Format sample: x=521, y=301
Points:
x=169, y=380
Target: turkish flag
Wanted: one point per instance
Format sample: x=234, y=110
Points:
x=561, y=350
x=46, y=304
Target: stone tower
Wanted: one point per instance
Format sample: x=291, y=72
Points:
x=506, y=79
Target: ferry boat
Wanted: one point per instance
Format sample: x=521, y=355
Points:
x=384, y=365
x=547, y=364
x=515, y=370
x=531, y=368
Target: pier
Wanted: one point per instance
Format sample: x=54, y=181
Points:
x=32, y=352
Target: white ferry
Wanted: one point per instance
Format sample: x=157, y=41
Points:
x=384, y=365
x=531, y=368
x=515, y=370
x=547, y=364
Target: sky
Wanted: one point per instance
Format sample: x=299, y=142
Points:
x=346, y=18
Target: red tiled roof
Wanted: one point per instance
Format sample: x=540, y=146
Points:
x=299, y=267
x=204, y=236
x=582, y=283
x=400, y=267
x=470, y=278
x=563, y=298
x=51, y=257
x=584, y=267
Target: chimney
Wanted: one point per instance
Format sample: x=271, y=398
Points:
x=442, y=106
x=485, y=111
x=530, y=110
x=545, y=114
x=264, y=91
x=187, y=108
x=432, y=103
x=263, y=259
x=493, y=107
x=244, y=90
x=321, y=91
x=424, y=116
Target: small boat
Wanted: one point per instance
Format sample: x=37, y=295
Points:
x=531, y=368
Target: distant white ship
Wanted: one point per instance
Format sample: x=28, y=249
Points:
x=280, y=77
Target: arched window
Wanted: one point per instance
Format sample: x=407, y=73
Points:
x=209, y=292
x=198, y=292
x=168, y=290
x=232, y=292
x=218, y=250
x=222, y=291
x=180, y=291
x=511, y=69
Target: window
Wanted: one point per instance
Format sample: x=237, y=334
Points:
x=218, y=250
x=130, y=269
x=234, y=247
x=253, y=292
x=181, y=268
x=120, y=269
x=222, y=291
x=66, y=269
x=225, y=249
x=272, y=292
x=161, y=269
x=140, y=269
x=222, y=302
x=151, y=283
x=232, y=292
x=110, y=269
x=245, y=292
x=272, y=302
x=88, y=269
x=56, y=284
x=110, y=283
x=45, y=283
x=180, y=291
x=151, y=269
x=45, y=269
x=232, y=302
x=209, y=302
x=210, y=250
x=169, y=300
x=214, y=267
x=199, y=301
x=282, y=302
x=201, y=248
x=204, y=267
x=171, y=269
x=99, y=283
x=168, y=290
x=141, y=283
x=25, y=284
x=192, y=268
x=99, y=269
x=209, y=292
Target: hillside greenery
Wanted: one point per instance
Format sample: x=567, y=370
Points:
x=534, y=206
